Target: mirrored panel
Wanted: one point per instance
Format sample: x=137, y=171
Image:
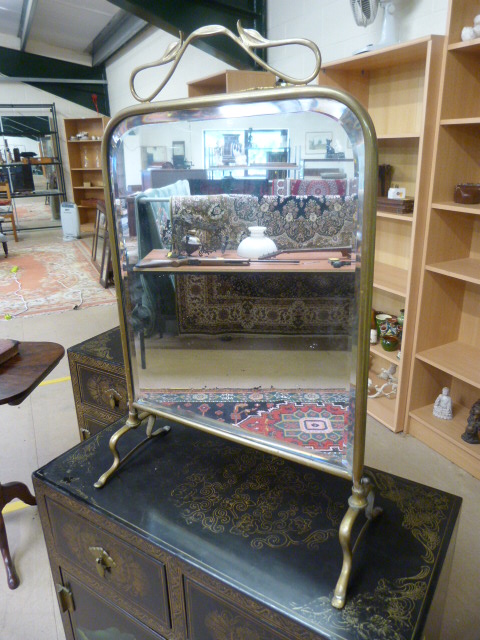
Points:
x=238, y=232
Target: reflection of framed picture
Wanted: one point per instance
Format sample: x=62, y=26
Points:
x=316, y=141
x=178, y=148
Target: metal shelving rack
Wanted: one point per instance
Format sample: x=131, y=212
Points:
x=50, y=112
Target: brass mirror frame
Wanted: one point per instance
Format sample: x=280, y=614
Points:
x=362, y=491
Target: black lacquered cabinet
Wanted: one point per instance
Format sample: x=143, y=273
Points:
x=201, y=539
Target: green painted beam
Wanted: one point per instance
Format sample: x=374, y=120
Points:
x=187, y=15
x=18, y=64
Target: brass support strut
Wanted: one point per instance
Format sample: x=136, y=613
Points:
x=362, y=499
x=134, y=420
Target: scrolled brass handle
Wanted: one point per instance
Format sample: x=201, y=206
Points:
x=103, y=561
x=248, y=39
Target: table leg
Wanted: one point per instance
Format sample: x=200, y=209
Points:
x=8, y=492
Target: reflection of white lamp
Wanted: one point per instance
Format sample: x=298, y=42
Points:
x=365, y=12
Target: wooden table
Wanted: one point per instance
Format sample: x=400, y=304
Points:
x=18, y=378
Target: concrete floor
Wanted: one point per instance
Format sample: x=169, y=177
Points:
x=45, y=425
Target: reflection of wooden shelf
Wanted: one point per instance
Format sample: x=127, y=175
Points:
x=391, y=279
x=467, y=269
x=444, y=436
x=456, y=358
x=85, y=168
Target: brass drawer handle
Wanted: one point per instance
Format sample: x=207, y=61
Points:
x=114, y=398
x=103, y=561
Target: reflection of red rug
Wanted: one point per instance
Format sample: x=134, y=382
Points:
x=316, y=420
x=49, y=279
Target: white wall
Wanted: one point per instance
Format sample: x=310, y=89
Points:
x=20, y=93
x=330, y=24
x=147, y=47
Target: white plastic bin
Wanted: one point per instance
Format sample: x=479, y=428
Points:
x=70, y=221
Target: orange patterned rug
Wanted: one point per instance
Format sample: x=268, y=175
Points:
x=34, y=213
x=49, y=279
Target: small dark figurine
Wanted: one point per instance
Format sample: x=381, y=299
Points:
x=471, y=434
x=331, y=153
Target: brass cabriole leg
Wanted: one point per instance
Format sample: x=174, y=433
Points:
x=360, y=500
x=134, y=420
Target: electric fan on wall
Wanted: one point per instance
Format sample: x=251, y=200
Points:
x=365, y=12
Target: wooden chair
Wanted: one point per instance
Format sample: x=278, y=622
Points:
x=6, y=207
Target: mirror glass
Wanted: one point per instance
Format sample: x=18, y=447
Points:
x=238, y=234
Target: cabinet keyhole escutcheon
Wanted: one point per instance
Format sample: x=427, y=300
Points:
x=103, y=561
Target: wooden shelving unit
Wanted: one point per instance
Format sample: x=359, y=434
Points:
x=85, y=165
x=447, y=343
x=399, y=86
x=230, y=81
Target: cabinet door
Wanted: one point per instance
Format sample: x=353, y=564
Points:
x=93, y=618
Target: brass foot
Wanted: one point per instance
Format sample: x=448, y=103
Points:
x=360, y=501
x=132, y=423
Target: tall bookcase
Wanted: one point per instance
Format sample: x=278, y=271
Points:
x=399, y=86
x=447, y=345
x=85, y=165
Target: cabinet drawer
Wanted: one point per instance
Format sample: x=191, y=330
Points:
x=92, y=425
x=94, y=617
x=104, y=390
x=138, y=582
x=210, y=617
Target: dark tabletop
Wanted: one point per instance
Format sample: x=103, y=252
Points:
x=21, y=374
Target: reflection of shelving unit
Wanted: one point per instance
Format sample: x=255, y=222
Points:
x=399, y=87
x=37, y=122
x=84, y=157
x=447, y=347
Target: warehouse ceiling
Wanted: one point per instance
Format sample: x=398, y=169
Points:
x=61, y=45
x=90, y=31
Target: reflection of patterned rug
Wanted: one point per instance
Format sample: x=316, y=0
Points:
x=303, y=304
x=318, y=420
x=307, y=304
x=49, y=279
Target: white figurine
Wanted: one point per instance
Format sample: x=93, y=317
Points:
x=468, y=34
x=443, y=405
x=389, y=374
